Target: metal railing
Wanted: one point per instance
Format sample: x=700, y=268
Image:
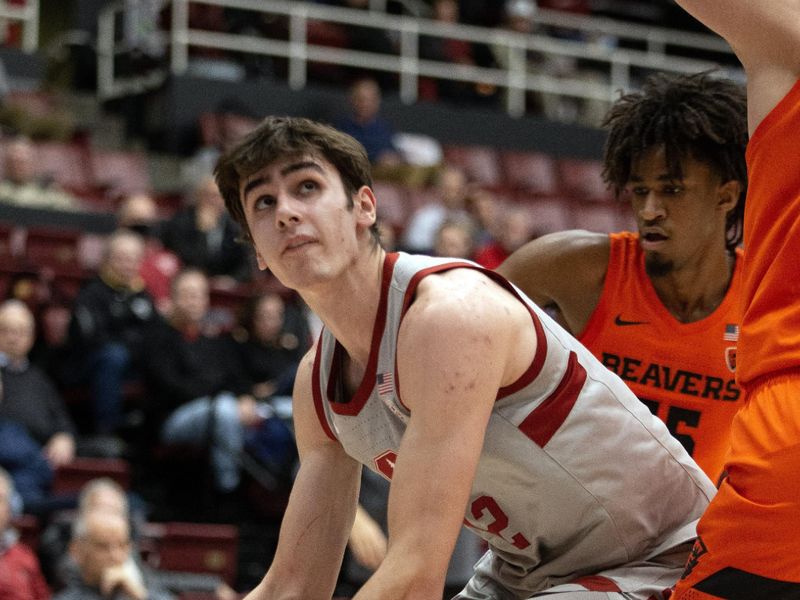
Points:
x=28, y=16
x=618, y=62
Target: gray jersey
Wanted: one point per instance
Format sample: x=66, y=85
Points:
x=576, y=476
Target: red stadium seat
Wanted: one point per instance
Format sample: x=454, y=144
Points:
x=55, y=250
x=549, y=214
x=70, y=478
x=583, y=179
x=393, y=203
x=28, y=528
x=65, y=163
x=533, y=172
x=119, y=172
x=480, y=163
x=600, y=217
x=193, y=548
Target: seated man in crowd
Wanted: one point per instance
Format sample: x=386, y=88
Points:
x=22, y=185
x=202, y=235
x=101, y=549
x=29, y=396
x=107, y=328
x=200, y=393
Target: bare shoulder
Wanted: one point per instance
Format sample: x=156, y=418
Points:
x=462, y=318
x=563, y=270
x=461, y=303
x=547, y=256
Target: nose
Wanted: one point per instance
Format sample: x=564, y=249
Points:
x=651, y=208
x=287, y=211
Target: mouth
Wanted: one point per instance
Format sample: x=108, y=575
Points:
x=652, y=239
x=297, y=243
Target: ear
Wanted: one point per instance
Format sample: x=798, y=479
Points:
x=367, y=206
x=728, y=194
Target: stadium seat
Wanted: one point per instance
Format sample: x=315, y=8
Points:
x=29, y=529
x=594, y=216
x=193, y=548
x=532, y=172
x=583, y=179
x=119, y=172
x=393, y=203
x=70, y=478
x=65, y=164
x=549, y=214
x=480, y=163
x=55, y=250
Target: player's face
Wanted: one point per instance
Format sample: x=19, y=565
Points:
x=678, y=218
x=305, y=228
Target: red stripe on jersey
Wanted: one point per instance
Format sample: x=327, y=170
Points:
x=316, y=392
x=597, y=583
x=353, y=406
x=542, y=423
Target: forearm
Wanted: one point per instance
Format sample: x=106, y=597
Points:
x=314, y=532
x=404, y=575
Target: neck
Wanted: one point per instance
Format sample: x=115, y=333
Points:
x=348, y=306
x=692, y=292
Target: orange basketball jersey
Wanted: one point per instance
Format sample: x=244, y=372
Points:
x=771, y=285
x=684, y=372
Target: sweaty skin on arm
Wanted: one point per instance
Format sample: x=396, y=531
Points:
x=564, y=271
x=459, y=320
x=321, y=508
x=766, y=37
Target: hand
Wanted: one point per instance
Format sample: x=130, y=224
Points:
x=248, y=415
x=367, y=540
x=124, y=578
x=60, y=450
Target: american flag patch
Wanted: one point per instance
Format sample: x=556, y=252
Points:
x=385, y=384
x=731, y=333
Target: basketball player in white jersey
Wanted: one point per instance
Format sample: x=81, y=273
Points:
x=442, y=377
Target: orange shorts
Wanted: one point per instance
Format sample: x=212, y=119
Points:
x=749, y=537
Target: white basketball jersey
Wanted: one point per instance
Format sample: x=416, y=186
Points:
x=576, y=475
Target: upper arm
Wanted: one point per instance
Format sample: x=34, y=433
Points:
x=765, y=34
x=458, y=321
x=564, y=269
x=321, y=507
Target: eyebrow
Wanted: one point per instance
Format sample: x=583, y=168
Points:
x=298, y=166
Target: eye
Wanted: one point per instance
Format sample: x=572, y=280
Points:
x=307, y=186
x=263, y=202
x=672, y=189
x=639, y=191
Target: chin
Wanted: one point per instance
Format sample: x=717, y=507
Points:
x=657, y=266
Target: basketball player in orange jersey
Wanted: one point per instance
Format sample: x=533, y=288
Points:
x=749, y=538
x=660, y=308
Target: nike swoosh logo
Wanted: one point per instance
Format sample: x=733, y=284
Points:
x=619, y=321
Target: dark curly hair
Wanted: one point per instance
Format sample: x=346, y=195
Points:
x=283, y=137
x=699, y=116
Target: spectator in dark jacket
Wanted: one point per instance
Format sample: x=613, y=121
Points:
x=268, y=348
x=199, y=389
x=202, y=235
x=107, y=328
